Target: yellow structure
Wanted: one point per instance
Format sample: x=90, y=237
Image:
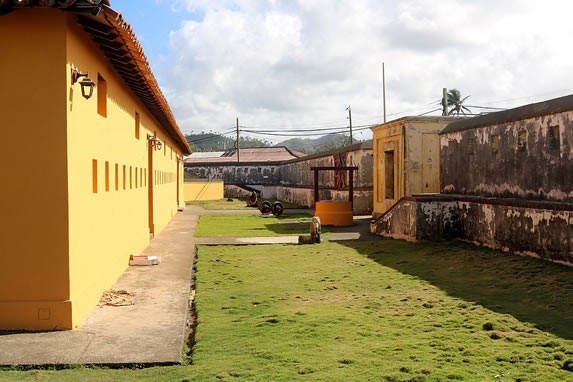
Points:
x=406, y=159
x=334, y=212
x=204, y=190
x=86, y=181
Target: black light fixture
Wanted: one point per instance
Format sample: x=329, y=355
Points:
x=86, y=83
x=155, y=142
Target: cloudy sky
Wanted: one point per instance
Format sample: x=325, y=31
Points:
x=296, y=65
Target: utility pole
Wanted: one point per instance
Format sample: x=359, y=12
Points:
x=350, y=118
x=384, y=91
x=445, y=101
x=238, y=145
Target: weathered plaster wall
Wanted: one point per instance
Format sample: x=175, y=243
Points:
x=527, y=159
x=532, y=228
x=419, y=218
x=297, y=178
x=521, y=229
x=231, y=173
x=398, y=222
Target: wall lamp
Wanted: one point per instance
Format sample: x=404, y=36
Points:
x=155, y=142
x=86, y=83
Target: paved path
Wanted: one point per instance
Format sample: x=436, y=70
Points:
x=152, y=331
x=149, y=332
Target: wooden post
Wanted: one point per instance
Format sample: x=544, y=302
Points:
x=315, y=185
x=351, y=186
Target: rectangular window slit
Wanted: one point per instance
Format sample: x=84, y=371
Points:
x=94, y=176
x=106, y=176
x=116, y=177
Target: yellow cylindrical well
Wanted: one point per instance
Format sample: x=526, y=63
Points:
x=334, y=213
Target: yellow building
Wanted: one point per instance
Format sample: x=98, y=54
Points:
x=86, y=182
x=406, y=159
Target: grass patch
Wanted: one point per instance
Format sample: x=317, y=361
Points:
x=254, y=225
x=237, y=204
x=381, y=311
x=358, y=311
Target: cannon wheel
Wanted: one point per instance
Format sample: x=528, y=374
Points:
x=277, y=209
x=266, y=208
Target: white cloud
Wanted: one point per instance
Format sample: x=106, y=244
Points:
x=301, y=63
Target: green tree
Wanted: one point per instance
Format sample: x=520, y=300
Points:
x=455, y=103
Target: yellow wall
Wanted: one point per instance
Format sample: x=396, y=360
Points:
x=62, y=247
x=34, y=286
x=415, y=144
x=208, y=190
x=108, y=226
x=387, y=138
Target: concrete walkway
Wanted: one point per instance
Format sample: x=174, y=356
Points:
x=152, y=331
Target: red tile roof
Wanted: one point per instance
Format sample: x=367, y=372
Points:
x=120, y=46
x=249, y=155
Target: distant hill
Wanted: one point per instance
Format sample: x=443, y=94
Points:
x=204, y=142
x=311, y=146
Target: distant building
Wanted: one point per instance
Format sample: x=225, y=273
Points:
x=285, y=174
x=257, y=165
x=78, y=92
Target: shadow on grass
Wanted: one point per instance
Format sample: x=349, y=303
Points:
x=531, y=290
x=290, y=224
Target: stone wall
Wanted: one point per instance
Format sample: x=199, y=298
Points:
x=541, y=229
x=297, y=178
x=232, y=173
x=527, y=159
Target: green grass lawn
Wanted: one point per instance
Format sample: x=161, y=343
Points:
x=254, y=225
x=369, y=311
x=236, y=204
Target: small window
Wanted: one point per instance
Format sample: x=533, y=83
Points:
x=259, y=170
x=106, y=176
x=101, y=96
x=94, y=176
x=495, y=143
x=116, y=177
x=137, y=125
x=389, y=174
x=553, y=138
x=136, y=177
x=522, y=140
x=124, y=177
x=130, y=177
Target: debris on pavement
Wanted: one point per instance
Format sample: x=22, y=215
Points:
x=119, y=297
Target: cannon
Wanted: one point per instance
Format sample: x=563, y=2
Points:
x=267, y=208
